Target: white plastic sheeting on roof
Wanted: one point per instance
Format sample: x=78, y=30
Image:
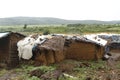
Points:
x=3, y=34
x=25, y=48
x=96, y=39
x=26, y=45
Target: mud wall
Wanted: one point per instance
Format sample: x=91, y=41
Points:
x=4, y=49
x=13, y=59
x=83, y=51
x=51, y=51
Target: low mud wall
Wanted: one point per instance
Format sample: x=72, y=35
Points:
x=83, y=51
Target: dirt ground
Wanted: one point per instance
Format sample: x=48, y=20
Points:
x=11, y=75
x=75, y=70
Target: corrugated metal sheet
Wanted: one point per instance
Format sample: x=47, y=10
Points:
x=4, y=34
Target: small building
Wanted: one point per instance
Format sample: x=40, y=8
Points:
x=57, y=48
x=81, y=49
x=8, y=48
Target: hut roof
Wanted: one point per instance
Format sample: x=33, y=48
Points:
x=114, y=38
x=89, y=39
x=96, y=39
x=5, y=34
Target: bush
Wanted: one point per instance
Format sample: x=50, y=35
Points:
x=46, y=32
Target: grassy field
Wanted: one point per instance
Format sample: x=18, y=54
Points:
x=66, y=29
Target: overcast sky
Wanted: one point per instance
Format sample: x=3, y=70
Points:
x=66, y=9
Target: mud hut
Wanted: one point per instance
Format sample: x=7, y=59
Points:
x=8, y=48
x=83, y=49
x=51, y=51
x=59, y=48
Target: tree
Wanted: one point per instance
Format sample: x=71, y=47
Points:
x=25, y=26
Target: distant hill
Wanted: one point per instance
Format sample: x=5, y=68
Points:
x=48, y=20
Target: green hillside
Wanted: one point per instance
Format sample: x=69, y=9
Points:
x=48, y=21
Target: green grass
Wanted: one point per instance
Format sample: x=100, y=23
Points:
x=83, y=72
x=87, y=28
x=2, y=72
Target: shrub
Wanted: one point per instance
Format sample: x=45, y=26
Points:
x=46, y=32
